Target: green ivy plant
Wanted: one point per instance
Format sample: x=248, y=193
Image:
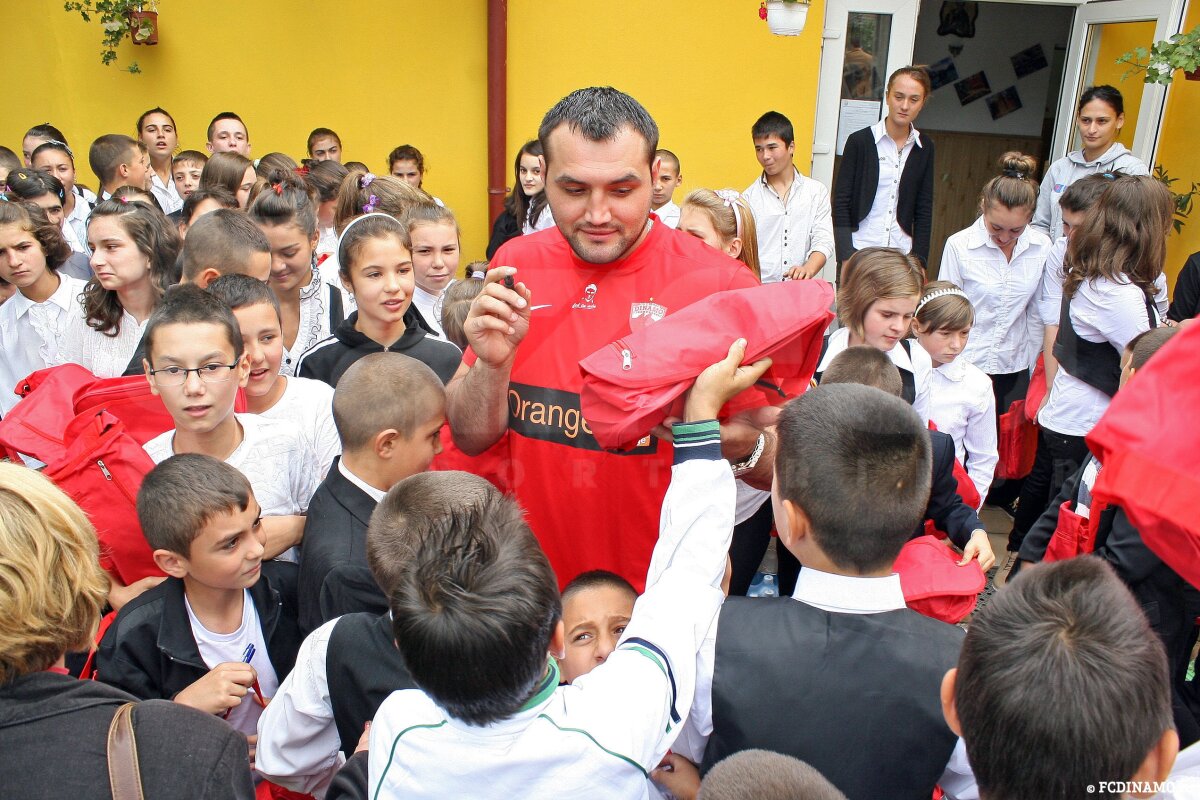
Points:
x=1182, y=202
x=114, y=17
x=1164, y=58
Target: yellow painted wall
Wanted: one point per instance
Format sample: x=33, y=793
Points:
x=415, y=72
x=1117, y=39
x=705, y=69
x=379, y=73
x=1178, y=153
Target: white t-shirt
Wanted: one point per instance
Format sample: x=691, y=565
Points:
x=307, y=406
x=221, y=648
x=281, y=466
x=430, y=306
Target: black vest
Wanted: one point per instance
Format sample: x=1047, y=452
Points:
x=362, y=667
x=1098, y=364
x=854, y=695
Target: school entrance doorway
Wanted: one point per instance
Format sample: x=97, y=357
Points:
x=1006, y=76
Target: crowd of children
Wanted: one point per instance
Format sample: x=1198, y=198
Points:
x=376, y=566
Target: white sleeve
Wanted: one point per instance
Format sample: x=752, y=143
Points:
x=821, y=239
x=958, y=781
x=951, y=267
x=298, y=743
x=981, y=443
x=1050, y=295
x=327, y=443
x=693, y=736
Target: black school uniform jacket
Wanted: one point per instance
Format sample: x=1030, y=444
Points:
x=150, y=652
x=328, y=359
x=946, y=507
x=334, y=576
x=858, y=182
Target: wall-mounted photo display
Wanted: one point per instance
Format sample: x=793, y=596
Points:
x=972, y=87
x=1004, y=103
x=1029, y=61
x=942, y=73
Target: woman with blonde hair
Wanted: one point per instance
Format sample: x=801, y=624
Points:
x=54, y=728
x=722, y=219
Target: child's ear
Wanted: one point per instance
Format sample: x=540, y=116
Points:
x=207, y=276
x=734, y=248
x=558, y=641
x=387, y=443
x=949, y=712
x=243, y=370
x=797, y=525
x=1156, y=768
x=171, y=563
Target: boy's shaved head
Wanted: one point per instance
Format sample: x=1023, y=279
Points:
x=383, y=391
x=864, y=365
x=763, y=775
x=225, y=241
x=668, y=158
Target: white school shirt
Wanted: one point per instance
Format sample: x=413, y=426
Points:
x=1007, y=335
x=914, y=360
x=165, y=193
x=327, y=241
x=104, y=356
x=307, y=406
x=282, y=468
x=601, y=736
x=790, y=229
x=962, y=404
x=1101, y=311
x=77, y=221
x=668, y=214
x=72, y=237
x=30, y=334
x=880, y=228
x=314, y=319
x=545, y=220
x=838, y=594
x=430, y=306
x=221, y=648
x=1050, y=299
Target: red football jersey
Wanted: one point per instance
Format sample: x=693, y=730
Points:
x=590, y=508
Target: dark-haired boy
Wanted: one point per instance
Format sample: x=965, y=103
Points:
x=199, y=203
x=389, y=410
x=347, y=667
x=668, y=180
x=119, y=160
x=220, y=632
x=224, y=242
x=845, y=676
x=1061, y=689
x=196, y=363
x=597, y=605
x=185, y=171
x=479, y=594
x=792, y=212
x=228, y=134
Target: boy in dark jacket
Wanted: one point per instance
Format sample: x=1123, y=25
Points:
x=217, y=635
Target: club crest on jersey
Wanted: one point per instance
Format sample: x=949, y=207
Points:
x=642, y=314
x=588, y=301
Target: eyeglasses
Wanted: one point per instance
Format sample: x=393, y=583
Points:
x=177, y=376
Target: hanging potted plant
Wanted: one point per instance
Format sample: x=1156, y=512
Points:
x=1162, y=59
x=137, y=19
x=784, y=17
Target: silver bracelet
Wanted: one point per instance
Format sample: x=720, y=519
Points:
x=751, y=461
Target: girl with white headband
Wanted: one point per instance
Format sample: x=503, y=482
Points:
x=960, y=394
x=723, y=220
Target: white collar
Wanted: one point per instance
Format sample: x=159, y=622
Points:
x=956, y=370
x=762, y=178
x=879, y=130
x=979, y=237
x=848, y=595
x=370, y=490
x=61, y=297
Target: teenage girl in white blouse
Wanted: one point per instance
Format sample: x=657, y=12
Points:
x=134, y=248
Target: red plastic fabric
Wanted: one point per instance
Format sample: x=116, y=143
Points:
x=633, y=384
x=1149, y=443
x=933, y=582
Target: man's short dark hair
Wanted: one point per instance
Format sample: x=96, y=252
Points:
x=108, y=153
x=223, y=116
x=220, y=194
x=381, y=391
x=224, y=240
x=773, y=123
x=858, y=463
x=599, y=113
x=1147, y=343
x=866, y=366
x=1061, y=683
x=241, y=291
x=479, y=594
x=188, y=304
x=179, y=496
x=322, y=133
x=764, y=775
x=407, y=512
x=595, y=579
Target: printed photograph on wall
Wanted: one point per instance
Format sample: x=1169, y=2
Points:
x=1004, y=103
x=972, y=87
x=942, y=73
x=1029, y=61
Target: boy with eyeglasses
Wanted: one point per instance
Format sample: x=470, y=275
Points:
x=195, y=361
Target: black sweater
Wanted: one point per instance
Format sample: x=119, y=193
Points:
x=328, y=359
x=858, y=180
x=1186, y=302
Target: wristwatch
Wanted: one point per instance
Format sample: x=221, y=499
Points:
x=751, y=461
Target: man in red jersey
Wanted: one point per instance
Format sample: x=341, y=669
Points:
x=608, y=268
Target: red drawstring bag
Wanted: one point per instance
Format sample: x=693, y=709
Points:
x=1073, y=535
x=1149, y=444
x=934, y=584
x=634, y=383
x=1017, y=442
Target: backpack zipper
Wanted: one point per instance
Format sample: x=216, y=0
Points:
x=104, y=469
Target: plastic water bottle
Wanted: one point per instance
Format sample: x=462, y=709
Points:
x=763, y=585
